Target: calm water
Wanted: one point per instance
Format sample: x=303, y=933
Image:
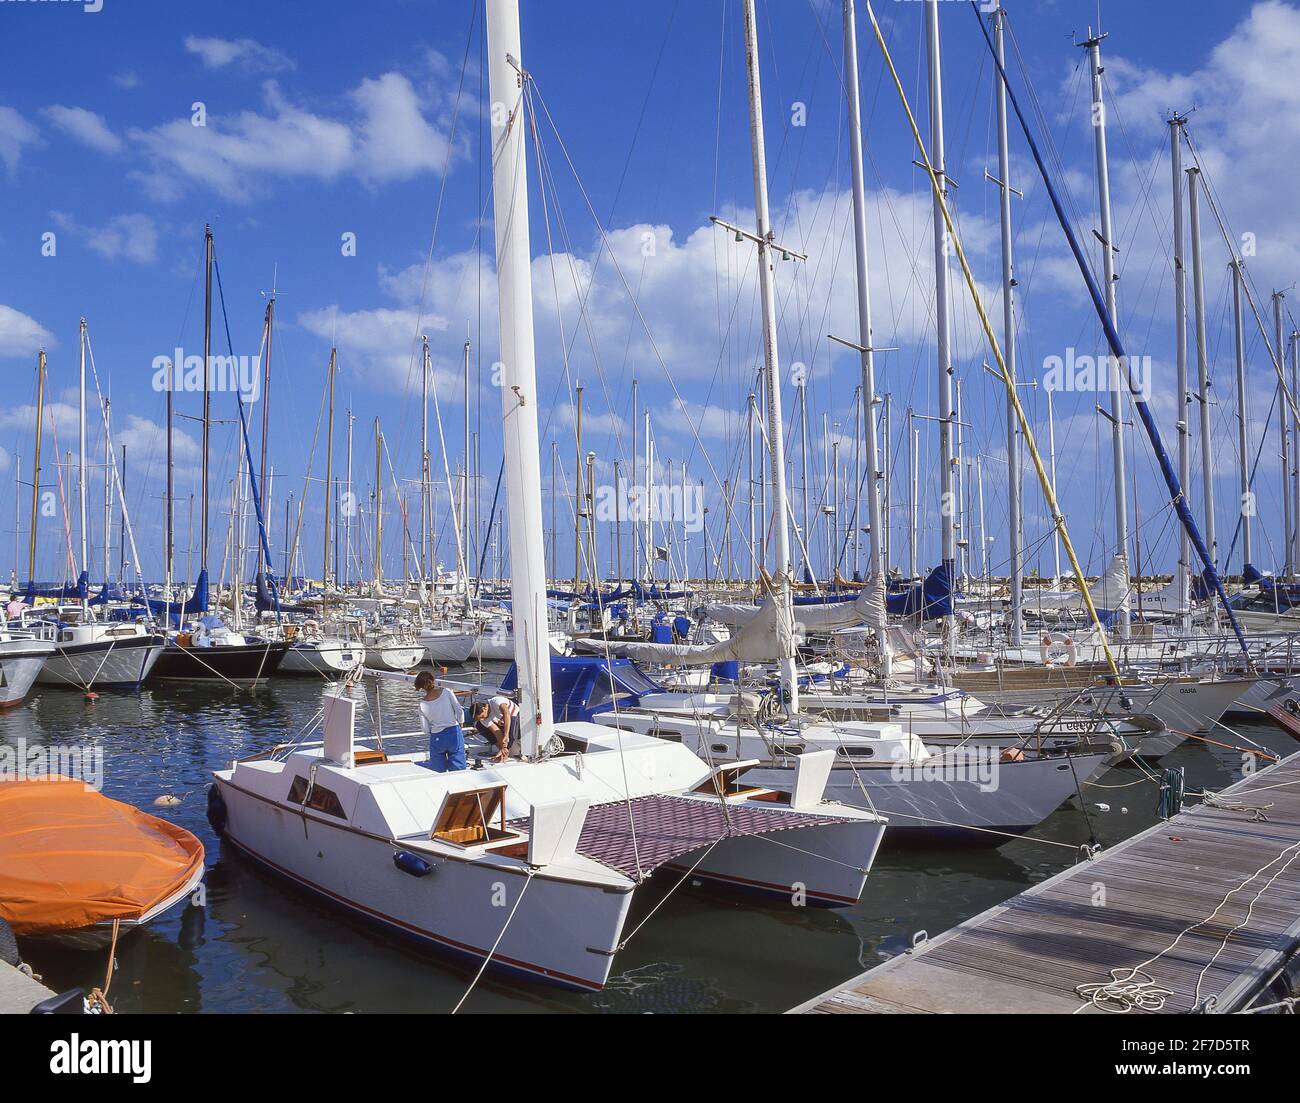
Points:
x=261, y=946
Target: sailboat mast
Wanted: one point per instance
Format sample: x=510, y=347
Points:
x=426, y=519
x=771, y=364
x=875, y=524
x=464, y=503
x=36, y=464
x=1295, y=383
x=351, y=508
x=807, y=489
x=81, y=453
x=108, y=484
x=577, y=492
x=913, y=446
x=329, y=472
x=266, y=415
x=1290, y=442
x=1176, y=122
x=1202, y=360
x=379, y=509
x=1115, y=382
x=519, y=384
x=750, y=407
x=943, y=354
x=1015, y=511
x=1239, y=348
x=1051, y=467
x=207, y=391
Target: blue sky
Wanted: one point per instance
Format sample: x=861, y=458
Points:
x=333, y=118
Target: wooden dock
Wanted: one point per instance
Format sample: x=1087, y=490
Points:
x=19, y=993
x=1230, y=874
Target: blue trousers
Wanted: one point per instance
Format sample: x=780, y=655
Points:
x=447, y=750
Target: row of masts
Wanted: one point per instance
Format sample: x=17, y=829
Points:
x=770, y=472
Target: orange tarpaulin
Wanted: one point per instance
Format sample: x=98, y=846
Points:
x=70, y=857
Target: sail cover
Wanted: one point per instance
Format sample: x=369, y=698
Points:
x=1108, y=593
x=767, y=636
x=70, y=857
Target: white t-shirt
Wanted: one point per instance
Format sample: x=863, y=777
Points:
x=499, y=706
x=441, y=713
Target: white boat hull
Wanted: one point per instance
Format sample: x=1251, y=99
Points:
x=327, y=657
x=563, y=931
x=935, y=808
x=124, y=664
x=397, y=658
x=17, y=674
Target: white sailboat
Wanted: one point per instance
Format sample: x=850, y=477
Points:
x=529, y=865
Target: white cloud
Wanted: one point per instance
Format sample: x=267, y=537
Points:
x=85, y=126
x=62, y=416
x=131, y=237
x=386, y=136
x=16, y=133
x=5, y=461
x=128, y=79
x=21, y=335
x=243, y=53
x=148, y=439
x=394, y=140
x=1247, y=132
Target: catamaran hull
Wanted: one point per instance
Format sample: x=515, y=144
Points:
x=240, y=663
x=104, y=664
x=927, y=807
x=828, y=866
x=564, y=932
x=17, y=675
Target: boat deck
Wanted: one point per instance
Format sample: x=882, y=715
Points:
x=1214, y=892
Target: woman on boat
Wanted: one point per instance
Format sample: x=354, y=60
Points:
x=441, y=716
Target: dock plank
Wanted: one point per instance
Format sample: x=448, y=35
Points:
x=1198, y=870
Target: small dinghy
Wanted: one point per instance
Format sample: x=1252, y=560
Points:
x=73, y=862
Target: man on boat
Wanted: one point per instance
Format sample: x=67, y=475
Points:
x=493, y=720
x=441, y=716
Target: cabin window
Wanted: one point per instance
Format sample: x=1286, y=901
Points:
x=857, y=752
x=319, y=799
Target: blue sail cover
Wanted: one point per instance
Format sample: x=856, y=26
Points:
x=930, y=599
x=266, y=603
x=69, y=591
x=110, y=592
x=197, y=603
x=831, y=598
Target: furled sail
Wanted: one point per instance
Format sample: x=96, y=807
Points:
x=768, y=635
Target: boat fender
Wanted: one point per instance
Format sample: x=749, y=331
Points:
x=411, y=863
x=217, y=814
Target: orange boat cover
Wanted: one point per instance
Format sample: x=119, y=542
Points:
x=71, y=858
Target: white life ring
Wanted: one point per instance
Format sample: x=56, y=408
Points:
x=1057, y=645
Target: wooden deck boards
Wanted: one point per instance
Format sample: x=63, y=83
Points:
x=1029, y=953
